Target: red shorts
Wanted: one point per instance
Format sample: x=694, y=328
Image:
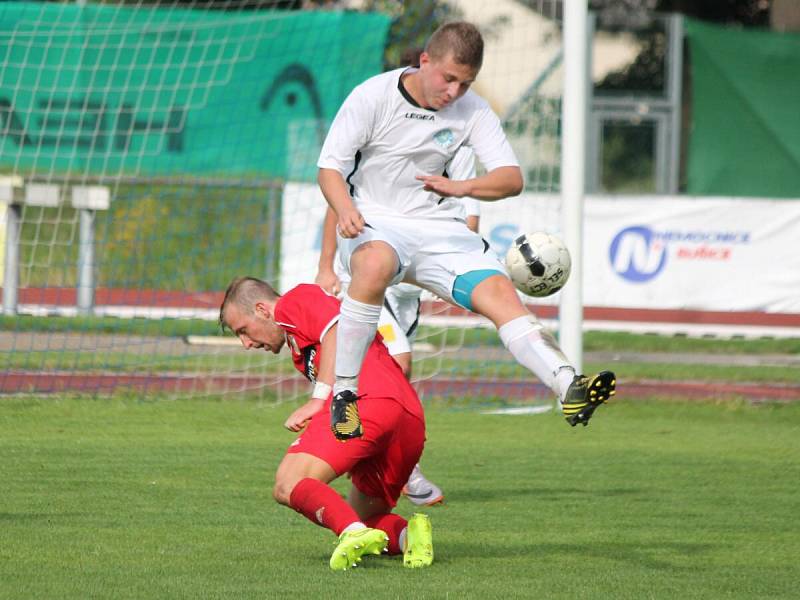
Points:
x=381, y=460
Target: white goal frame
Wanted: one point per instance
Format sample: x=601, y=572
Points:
x=573, y=173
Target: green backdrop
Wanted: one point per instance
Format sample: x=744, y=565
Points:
x=745, y=132
x=155, y=91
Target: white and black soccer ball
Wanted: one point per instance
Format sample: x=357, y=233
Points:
x=538, y=264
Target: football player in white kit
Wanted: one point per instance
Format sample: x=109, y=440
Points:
x=401, y=307
x=384, y=170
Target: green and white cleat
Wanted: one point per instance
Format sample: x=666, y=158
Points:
x=419, y=542
x=585, y=394
x=355, y=544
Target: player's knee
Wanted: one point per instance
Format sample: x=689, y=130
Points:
x=374, y=262
x=283, y=488
x=496, y=299
x=499, y=288
x=281, y=495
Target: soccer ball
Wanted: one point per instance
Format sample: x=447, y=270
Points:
x=538, y=264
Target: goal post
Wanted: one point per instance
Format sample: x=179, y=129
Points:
x=573, y=167
x=203, y=121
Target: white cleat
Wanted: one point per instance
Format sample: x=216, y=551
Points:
x=420, y=491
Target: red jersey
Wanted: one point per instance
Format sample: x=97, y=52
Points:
x=306, y=313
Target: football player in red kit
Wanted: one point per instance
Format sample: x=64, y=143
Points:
x=379, y=457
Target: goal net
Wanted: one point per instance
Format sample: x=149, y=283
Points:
x=153, y=150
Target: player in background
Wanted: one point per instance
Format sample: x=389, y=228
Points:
x=379, y=461
x=383, y=170
x=401, y=308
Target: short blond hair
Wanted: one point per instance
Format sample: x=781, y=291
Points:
x=460, y=38
x=245, y=293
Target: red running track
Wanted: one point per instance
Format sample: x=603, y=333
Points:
x=212, y=299
x=515, y=391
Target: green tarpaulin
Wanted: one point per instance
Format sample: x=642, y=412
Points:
x=745, y=132
x=153, y=91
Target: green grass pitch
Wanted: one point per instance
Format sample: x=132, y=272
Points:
x=119, y=498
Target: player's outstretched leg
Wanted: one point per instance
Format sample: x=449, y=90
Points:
x=345, y=420
x=585, y=394
x=421, y=491
x=355, y=544
x=419, y=542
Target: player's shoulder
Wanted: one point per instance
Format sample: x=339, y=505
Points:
x=299, y=294
x=305, y=291
x=471, y=102
x=474, y=97
x=383, y=80
x=378, y=86
x=294, y=304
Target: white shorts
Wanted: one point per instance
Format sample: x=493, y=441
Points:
x=402, y=301
x=395, y=339
x=432, y=252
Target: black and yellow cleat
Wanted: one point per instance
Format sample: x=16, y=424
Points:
x=345, y=422
x=585, y=394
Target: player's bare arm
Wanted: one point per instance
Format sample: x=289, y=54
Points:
x=299, y=418
x=349, y=220
x=326, y=276
x=497, y=184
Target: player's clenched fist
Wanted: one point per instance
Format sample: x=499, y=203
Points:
x=350, y=224
x=298, y=419
x=326, y=279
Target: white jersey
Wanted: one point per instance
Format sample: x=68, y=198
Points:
x=471, y=206
x=381, y=140
x=463, y=167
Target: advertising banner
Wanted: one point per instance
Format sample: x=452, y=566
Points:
x=714, y=254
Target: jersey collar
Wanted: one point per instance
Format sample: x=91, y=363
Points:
x=409, y=98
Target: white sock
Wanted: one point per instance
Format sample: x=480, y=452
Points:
x=536, y=349
x=401, y=539
x=354, y=526
x=358, y=323
x=564, y=378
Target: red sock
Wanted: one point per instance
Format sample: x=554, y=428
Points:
x=321, y=505
x=392, y=524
